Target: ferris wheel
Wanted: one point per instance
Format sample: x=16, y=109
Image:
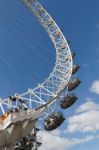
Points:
x=19, y=113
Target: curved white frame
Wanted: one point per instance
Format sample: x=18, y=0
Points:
x=46, y=94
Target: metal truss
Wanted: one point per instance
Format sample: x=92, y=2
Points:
x=45, y=94
x=16, y=125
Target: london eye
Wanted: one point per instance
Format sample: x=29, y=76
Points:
x=18, y=122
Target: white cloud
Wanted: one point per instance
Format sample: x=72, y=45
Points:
x=86, y=121
x=88, y=106
x=97, y=136
x=95, y=87
x=52, y=142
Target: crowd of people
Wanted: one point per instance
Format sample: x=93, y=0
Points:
x=20, y=103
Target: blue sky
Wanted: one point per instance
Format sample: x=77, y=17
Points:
x=27, y=57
